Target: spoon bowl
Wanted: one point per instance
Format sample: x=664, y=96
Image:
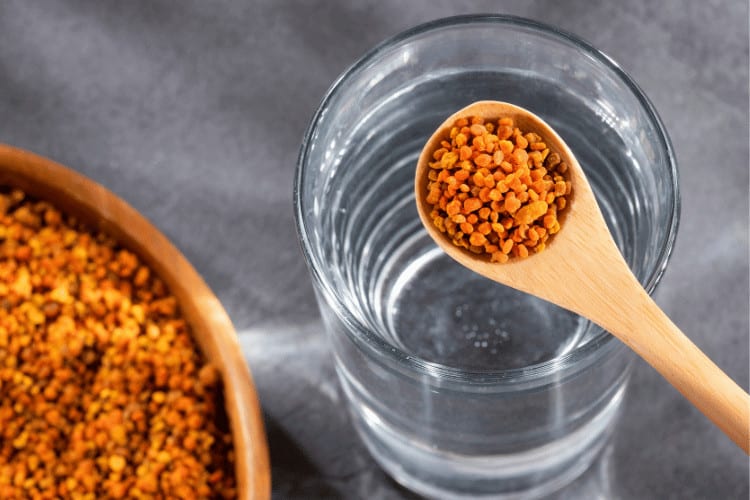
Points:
x=583, y=271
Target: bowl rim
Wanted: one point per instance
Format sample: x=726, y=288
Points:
x=580, y=357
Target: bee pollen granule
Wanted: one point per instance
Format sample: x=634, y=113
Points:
x=495, y=190
x=103, y=393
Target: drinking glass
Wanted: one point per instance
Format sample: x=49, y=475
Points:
x=459, y=386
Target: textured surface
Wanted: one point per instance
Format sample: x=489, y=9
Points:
x=194, y=111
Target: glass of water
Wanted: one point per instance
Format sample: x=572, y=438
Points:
x=461, y=387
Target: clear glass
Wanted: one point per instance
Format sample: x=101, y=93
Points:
x=461, y=387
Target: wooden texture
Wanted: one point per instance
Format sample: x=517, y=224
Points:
x=210, y=324
x=582, y=270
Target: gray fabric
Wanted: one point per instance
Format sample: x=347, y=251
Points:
x=193, y=112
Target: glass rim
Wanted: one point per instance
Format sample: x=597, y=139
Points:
x=382, y=349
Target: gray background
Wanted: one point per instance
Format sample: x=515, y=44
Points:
x=193, y=112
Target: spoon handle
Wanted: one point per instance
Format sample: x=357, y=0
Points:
x=641, y=324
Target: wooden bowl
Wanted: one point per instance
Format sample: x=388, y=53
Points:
x=210, y=324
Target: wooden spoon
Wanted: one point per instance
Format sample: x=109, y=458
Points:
x=582, y=270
